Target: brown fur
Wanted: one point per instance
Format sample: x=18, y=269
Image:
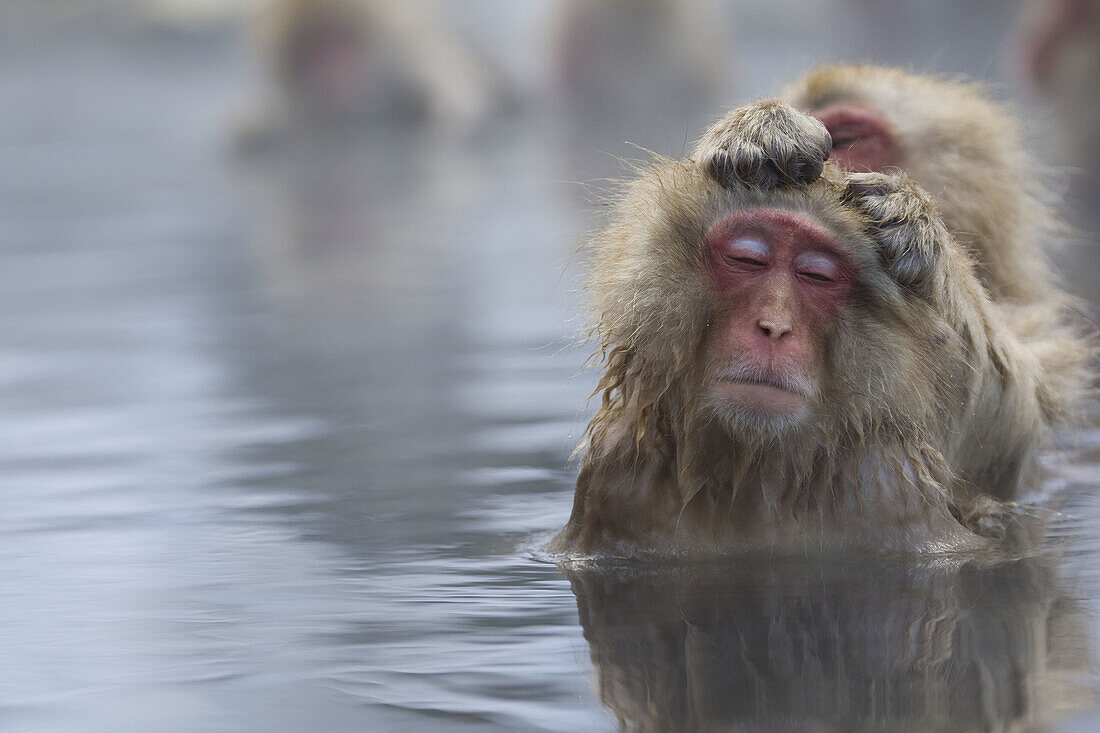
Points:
x=933, y=390
x=965, y=150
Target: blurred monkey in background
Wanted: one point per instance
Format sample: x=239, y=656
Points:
x=1060, y=42
x=338, y=65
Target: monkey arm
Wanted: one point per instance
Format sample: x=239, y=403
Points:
x=990, y=417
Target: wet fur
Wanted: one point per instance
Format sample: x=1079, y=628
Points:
x=967, y=151
x=937, y=388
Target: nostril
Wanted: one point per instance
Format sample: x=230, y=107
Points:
x=773, y=329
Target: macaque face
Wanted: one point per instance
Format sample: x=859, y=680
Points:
x=863, y=139
x=331, y=63
x=780, y=281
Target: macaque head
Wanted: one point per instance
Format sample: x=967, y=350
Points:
x=771, y=314
x=883, y=118
x=861, y=108
x=779, y=281
x=953, y=141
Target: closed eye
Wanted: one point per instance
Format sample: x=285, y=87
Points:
x=817, y=277
x=749, y=251
x=818, y=268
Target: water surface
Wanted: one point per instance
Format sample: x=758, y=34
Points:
x=281, y=438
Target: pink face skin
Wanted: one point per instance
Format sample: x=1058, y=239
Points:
x=779, y=278
x=863, y=139
x=335, y=67
x=1064, y=22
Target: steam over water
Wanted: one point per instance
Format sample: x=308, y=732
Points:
x=281, y=437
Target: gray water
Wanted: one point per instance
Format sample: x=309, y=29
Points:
x=280, y=440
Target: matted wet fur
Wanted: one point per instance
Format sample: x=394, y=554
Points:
x=933, y=389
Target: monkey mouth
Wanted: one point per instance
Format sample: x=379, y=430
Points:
x=763, y=395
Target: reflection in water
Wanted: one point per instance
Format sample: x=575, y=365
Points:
x=870, y=646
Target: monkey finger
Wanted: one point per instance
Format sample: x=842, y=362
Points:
x=746, y=165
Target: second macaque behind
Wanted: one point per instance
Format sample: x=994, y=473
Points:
x=799, y=358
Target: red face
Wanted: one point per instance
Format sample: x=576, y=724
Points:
x=333, y=64
x=780, y=279
x=863, y=139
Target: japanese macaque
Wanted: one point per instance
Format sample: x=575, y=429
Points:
x=967, y=151
x=800, y=357
x=338, y=64
x=961, y=147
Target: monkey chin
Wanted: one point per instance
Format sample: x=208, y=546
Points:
x=760, y=404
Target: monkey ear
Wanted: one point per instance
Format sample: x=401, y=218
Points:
x=765, y=145
x=903, y=220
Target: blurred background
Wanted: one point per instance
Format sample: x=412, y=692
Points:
x=292, y=366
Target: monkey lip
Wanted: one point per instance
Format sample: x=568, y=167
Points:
x=760, y=397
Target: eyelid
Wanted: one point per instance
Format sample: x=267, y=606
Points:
x=752, y=248
x=819, y=263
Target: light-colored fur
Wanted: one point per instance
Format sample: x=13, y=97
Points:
x=967, y=151
x=929, y=398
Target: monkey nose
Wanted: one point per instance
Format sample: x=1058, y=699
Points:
x=774, y=329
